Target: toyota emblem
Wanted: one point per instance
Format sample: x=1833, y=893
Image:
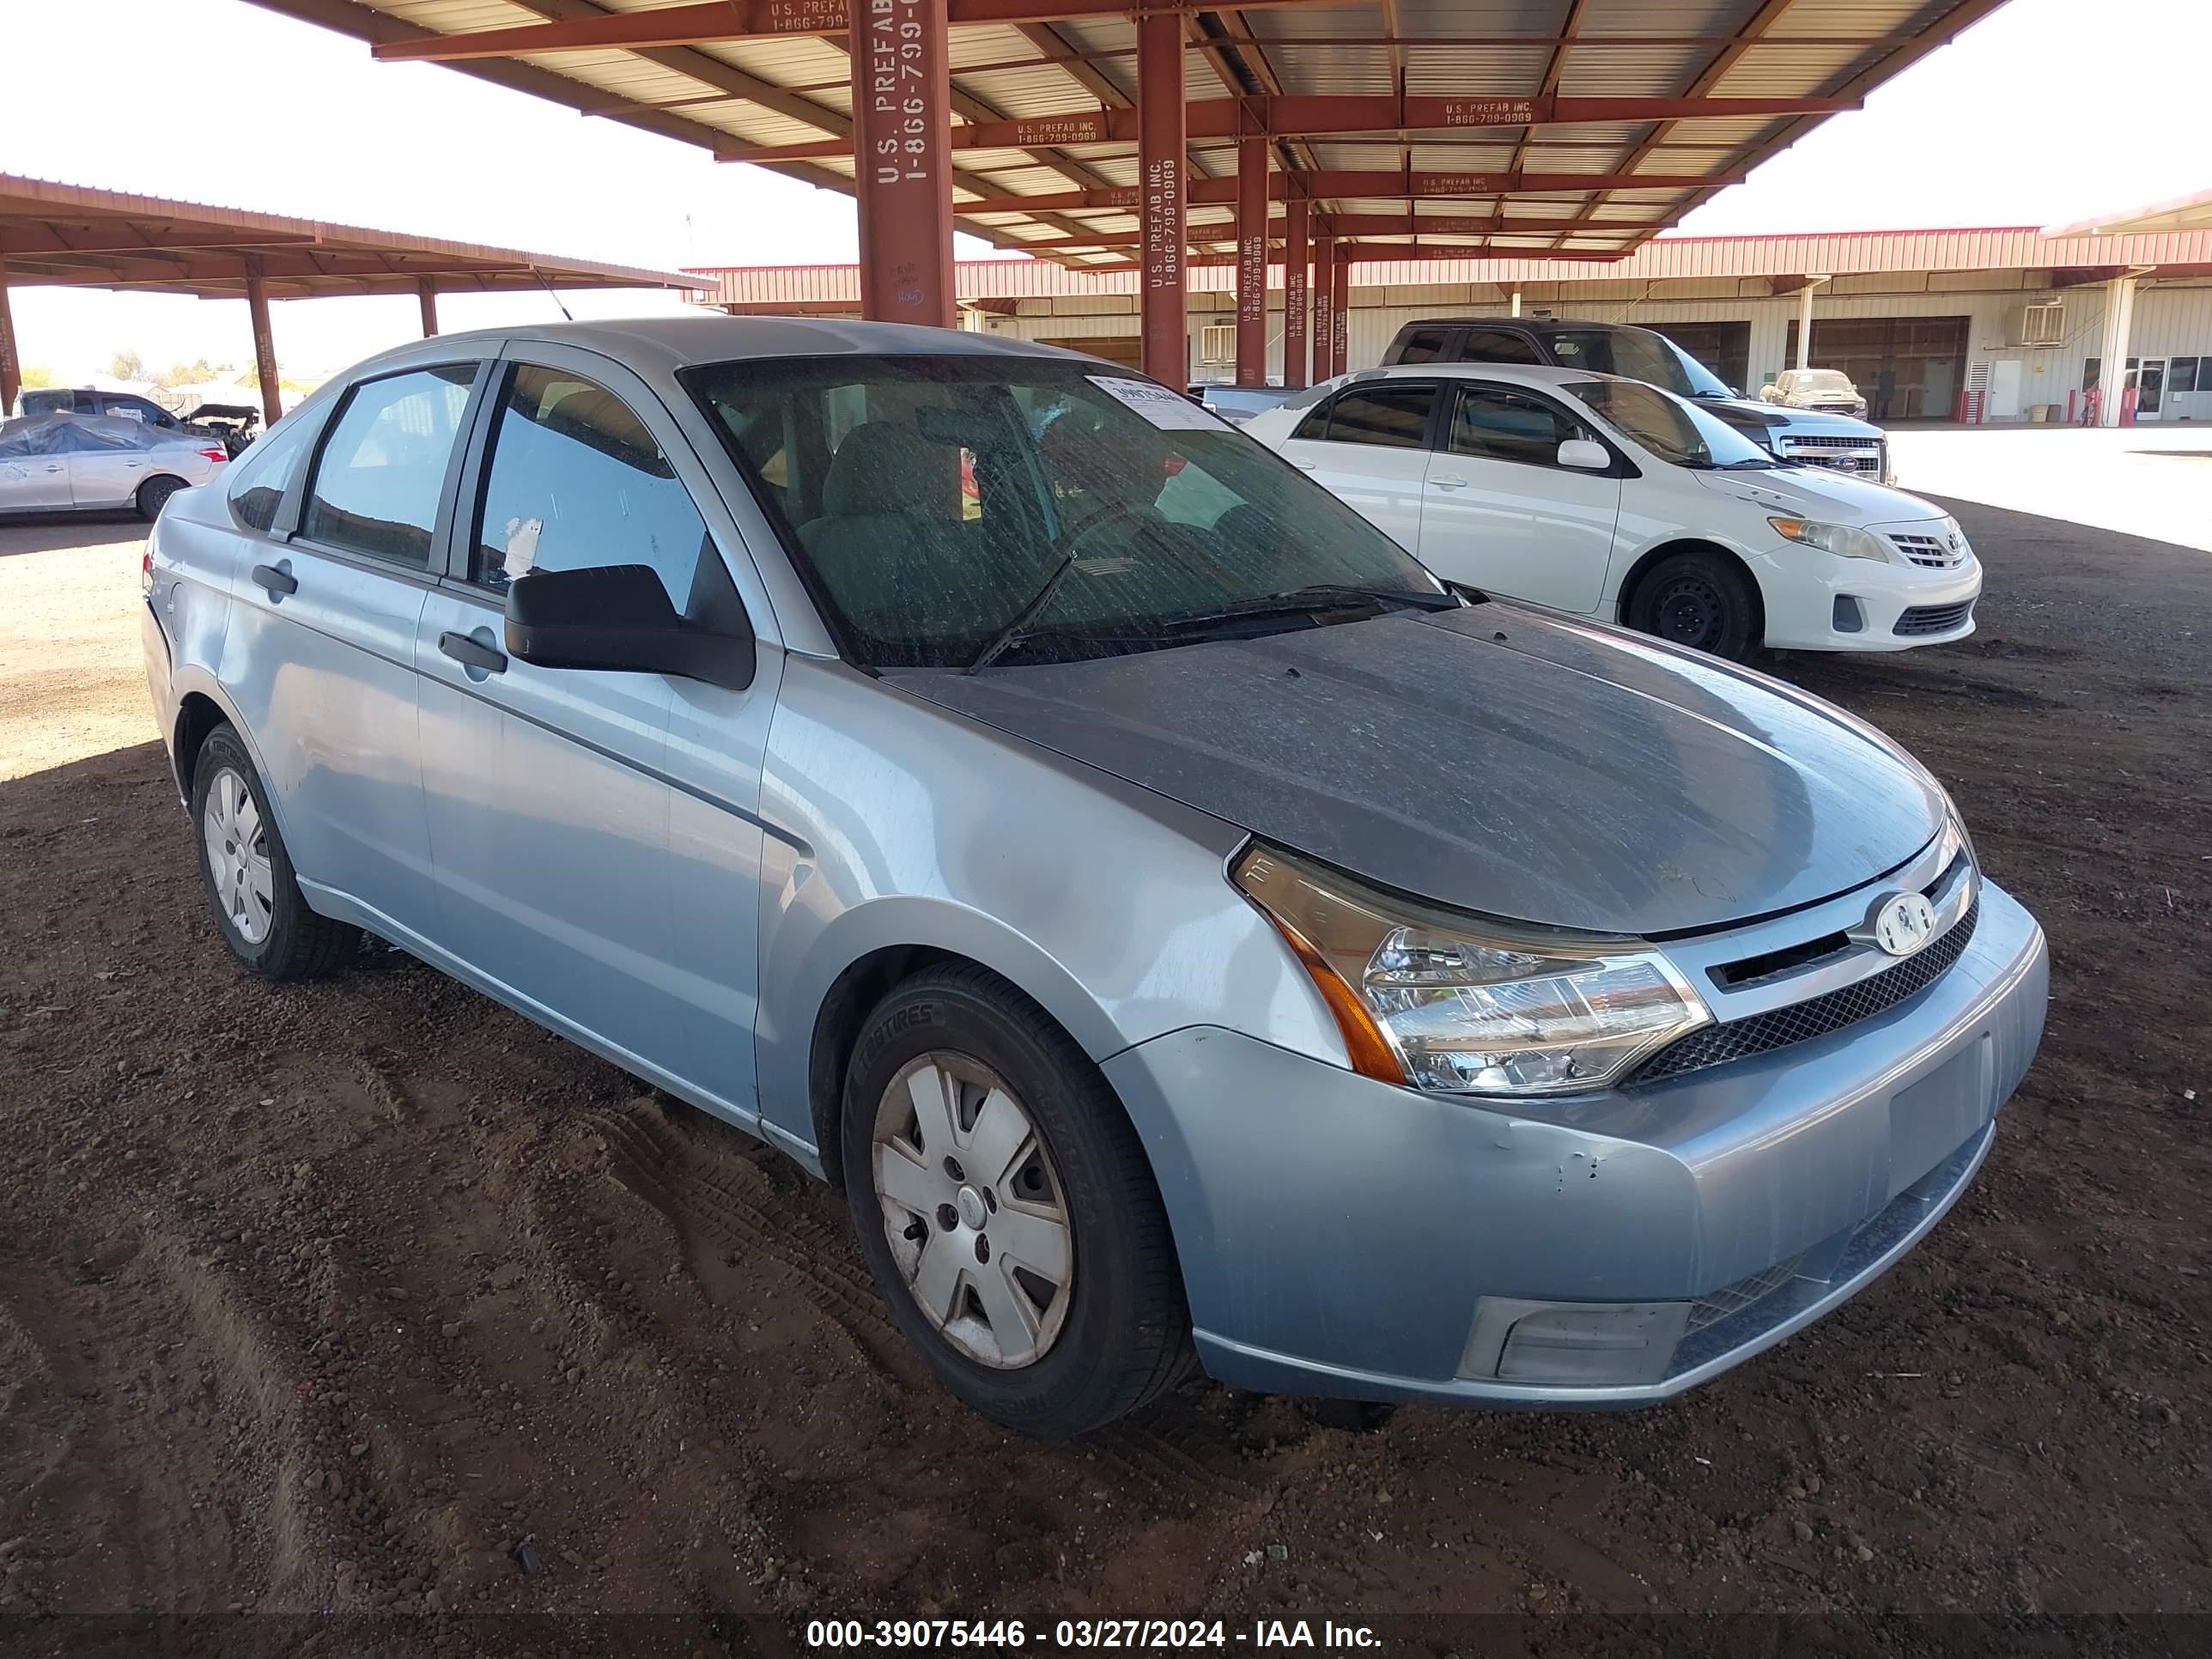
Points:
x=1904, y=923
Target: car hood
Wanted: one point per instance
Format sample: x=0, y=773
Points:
x=1752, y=416
x=1496, y=759
x=1821, y=493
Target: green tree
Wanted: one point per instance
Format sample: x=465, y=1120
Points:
x=37, y=375
x=127, y=366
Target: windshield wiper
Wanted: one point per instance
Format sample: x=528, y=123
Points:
x=1320, y=596
x=1749, y=463
x=1007, y=637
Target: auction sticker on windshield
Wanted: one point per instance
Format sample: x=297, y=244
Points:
x=1164, y=407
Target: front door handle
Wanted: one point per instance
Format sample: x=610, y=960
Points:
x=472, y=653
x=1448, y=483
x=54, y=467
x=1305, y=466
x=276, y=580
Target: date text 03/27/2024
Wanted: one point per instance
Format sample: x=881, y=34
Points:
x=1130, y=1634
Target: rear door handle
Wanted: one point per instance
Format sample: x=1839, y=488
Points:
x=276, y=581
x=1305, y=466
x=472, y=653
x=1448, y=483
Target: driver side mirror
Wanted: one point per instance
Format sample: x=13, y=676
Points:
x=619, y=618
x=1585, y=456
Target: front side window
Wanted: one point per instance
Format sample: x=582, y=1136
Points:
x=1387, y=416
x=1671, y=427
x=929, y=501
x=1497, y=345
x=382, y=467
x=576, y=481
x=1496, y=424
x=1639, y=355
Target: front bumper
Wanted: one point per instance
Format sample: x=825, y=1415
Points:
x=1342, y=1238
x=1812, y=599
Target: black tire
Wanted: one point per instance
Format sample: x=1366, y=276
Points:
x=154, y=494
x=1125, y=1333
x=296, y=942
x=1701, y=599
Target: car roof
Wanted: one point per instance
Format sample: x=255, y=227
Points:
x=669, y=343
x=1542, y=375
x=1534, y=324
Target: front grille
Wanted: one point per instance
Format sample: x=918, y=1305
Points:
x=1930, y=552
x=1800, y=1022
x=1844, y=454
x=1934, y=618
x=1716, y=1305
x=1798, y=440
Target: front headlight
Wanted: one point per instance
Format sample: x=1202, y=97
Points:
x=1844, y=540
x=1463, y=1006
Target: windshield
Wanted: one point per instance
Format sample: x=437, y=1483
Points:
x=1819, y=379
x=930, y=500
x=1672, y=429
x=1640, y=354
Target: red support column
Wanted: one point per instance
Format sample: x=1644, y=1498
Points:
x=1161, y=167
x=1252, y=262
x=426, y=294
x=902, y=159
x=1295, y=256
x=265, y=344
x=11, y=360
x=1340, y=312
x=1324, y=306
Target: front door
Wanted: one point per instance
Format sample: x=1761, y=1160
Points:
x=319, y=651
x=1502, y=513
x=34, y=472
x=2147, y=376
x=597, y=852
x=1367, y=446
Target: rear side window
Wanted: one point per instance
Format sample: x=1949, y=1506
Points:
x=1498, y=425
x=1382, y=417
x=258, y=482
x=576, y=482
x=1424, y=345
x=383, y=466
x=1497, y=345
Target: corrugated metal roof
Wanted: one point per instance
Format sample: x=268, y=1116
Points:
x=1666, y=258
x=792, y=89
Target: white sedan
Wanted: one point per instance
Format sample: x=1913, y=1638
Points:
x=1613, y=499
x=98, y=463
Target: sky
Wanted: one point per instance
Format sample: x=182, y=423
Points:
x=2046, y=113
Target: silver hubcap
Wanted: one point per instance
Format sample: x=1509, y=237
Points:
x=974, y=1211
x=238, y=855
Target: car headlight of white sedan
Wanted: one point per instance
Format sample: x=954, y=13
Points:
x=1844, y=540
x=1459, y=1005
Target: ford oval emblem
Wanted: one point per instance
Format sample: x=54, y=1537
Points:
x=1904, y=924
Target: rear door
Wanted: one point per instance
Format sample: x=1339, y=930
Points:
x=320, y=651
x=107, y=462
x=1502, y=513
x=1369, y=446
x=596, y=833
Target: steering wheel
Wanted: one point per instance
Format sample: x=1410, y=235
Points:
x=1113, y=515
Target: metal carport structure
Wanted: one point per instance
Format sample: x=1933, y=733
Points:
x=1104, y=133
x=59, y=234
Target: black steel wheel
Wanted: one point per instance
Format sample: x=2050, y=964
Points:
x=1699, y=599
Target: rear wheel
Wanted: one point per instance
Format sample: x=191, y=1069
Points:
x=154, y=494
x=251, y=889
x=1701, y=599
x=1006, y=1209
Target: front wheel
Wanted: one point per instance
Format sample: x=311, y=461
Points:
x=1006, y=1210
x=1701, y=599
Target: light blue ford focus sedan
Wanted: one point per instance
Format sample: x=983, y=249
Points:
x=1187, y=929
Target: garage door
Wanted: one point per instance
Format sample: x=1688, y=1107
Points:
x=1126, y=350
x=1724, y=348
x=1909, y=369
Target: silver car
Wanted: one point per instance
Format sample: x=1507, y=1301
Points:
x=98, y=463
x=1186, y=928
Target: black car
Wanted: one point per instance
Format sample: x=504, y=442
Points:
x=1801, y=437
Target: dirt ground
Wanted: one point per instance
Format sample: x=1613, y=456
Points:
x=369, y=1297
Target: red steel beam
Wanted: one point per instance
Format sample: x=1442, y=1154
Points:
x=1163, y=164
x=1340, y=320
x=1380, y=185
x=48, y=239
x=1350, y=224
x=1297, y=256
x=1251, y=230
x=426, y=295
x=902, y=158
x=265, y=344
x=1324, y=305
x=11, y=362
x=1329, y=113
x=707, y=20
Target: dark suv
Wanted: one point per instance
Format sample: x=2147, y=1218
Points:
x=1801, y=437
